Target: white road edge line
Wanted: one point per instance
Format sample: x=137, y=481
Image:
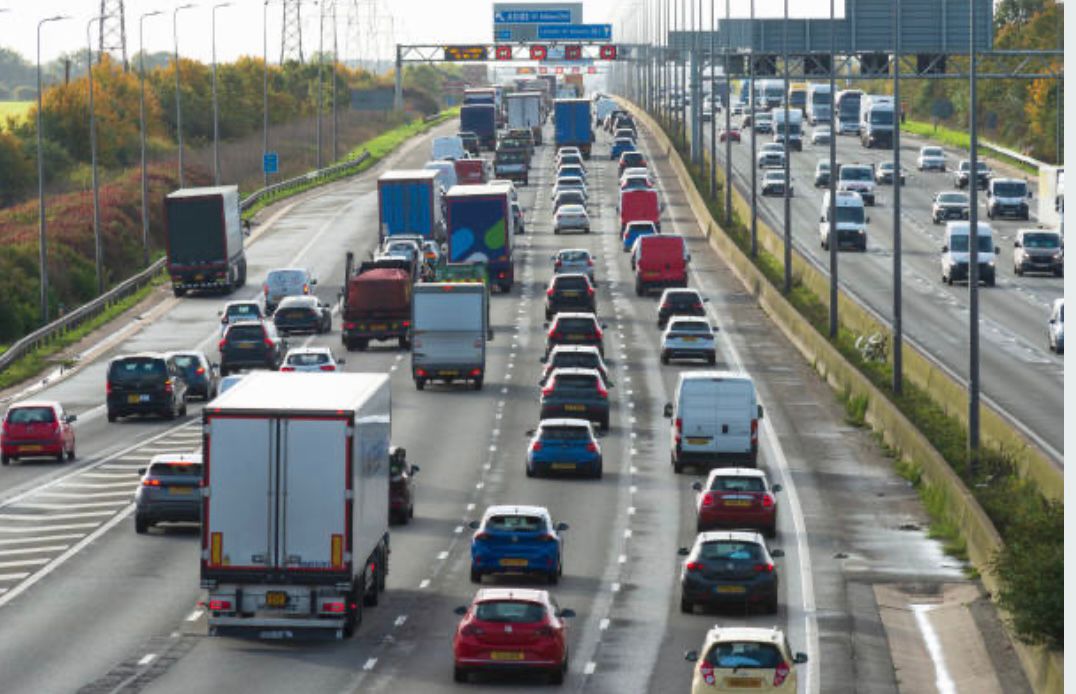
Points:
x=942, y=680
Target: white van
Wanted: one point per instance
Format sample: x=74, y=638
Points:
x=448, y=148
x=955, y=253
x=714, y=418
x=852, y=221
x=446, y=173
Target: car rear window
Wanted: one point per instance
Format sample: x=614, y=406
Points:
x=175, y=469
x=308, y=359
x=509, y=611
x=682, y=298
x=738, y=484
x=568, y=282
x=730, y=549
x=744, y=655
x=576, y=325
x=31, y=415
x=187, y=361
x=932, y=152
x=690, y=327
x=576, y=359
x=516, y=523
x=243, y=310
x=137, y=369
x=574, y=256
x=565, y=433
x=953, y=198
x=575, y=381
x=245, y=332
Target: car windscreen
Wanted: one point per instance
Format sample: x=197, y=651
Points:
x=242, y=311
x=933, y=152
x=509, y=612
x=245, y=332
x=953, y=199
x=516, y=523
x=744, y=655
x=1042, y=241
x=138, y=369
x=175, y=469
x=730, y=550
x=31, y=415
x=853, y=215
x=569, y=197
x=308, y=359
x=738, y=483
x=564, y=433
x=959, y=243
x=1013, y=189
x=855, y=173
x=574, y=256
x=576, y=325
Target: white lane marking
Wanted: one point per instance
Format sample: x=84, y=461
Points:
x=425, y=583
x=22, y=562
x=627, y=533
x=400, y=620
x=603, y=625
x=85, y=495
x=70, y=507
x=458, y=529
x=441, y=556
x=631, y=510
x=32, y=529
x=470, y=506
x=42, y=518
x=622, y=559
x=369, y=664
x=126, y=484
x=615, y=587
x=194, y=616
x=589, y=668
x=146, y=659
x=13, y=577
x=942, y=680
x=40, y=538
x=33, y=550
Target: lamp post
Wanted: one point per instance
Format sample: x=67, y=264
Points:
x=42, y=249
x=98, y=251
x=336, y=58
x=834, y=320
x=179, y=106
x=754, y=167
x=973, y=254
x=728, y=123
x=265, y=92
x=788, y=161
x=216, y=113
x=321, y=62
x=898, y=320
x=142, y=134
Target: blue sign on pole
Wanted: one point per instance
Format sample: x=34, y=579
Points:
x=532, y=17
x=580, y=32
x=270, y=163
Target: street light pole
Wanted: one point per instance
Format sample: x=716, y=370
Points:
x=42, y=246
x=973, y=256
x=728, y=123
x=336, y=58
x=712, y=62
x=98, y=251
x=321, y=62
x=216, y=112
x=898, y=326
x=754, y=167
x=265, y=91
x=179, y=106
x=788, y=162
x=833, y=241
x=142, y=135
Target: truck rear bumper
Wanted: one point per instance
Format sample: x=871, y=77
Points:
x=277, y=627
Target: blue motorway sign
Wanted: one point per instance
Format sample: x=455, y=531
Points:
x=577, y=32
x=270, y=163
x=502, y=35
x=532, y=17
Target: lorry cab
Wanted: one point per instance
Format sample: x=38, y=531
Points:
x=956, y=254
x=714, y=418
x=851, y=221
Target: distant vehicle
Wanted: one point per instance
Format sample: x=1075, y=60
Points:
x=251, y=346
x=573, y=260
x=1056, y=331
x=697, y=436
x=575, y=329
x=569, y=196
x=569, y=292
x=963, y=174
x=858, y=178
x=480, y=119
x=310, y=360
x=286, y=282
x=170, y=491
x=626, y=133
x=37, y=429
x=512, y=164
x=564, y=446
x=931, y=159
x=956, y=255
x=686, y=337
x=472, y=172
x=571, y=218
x=773, y=183
x=518, y=220
x=199, y=373
x=471, y=144
x=821, y=135
x=450, y=326
x=303, y=314
x=620, y=146
x=449, y=147
x=535, y=634
x=819, y=103
x=410, y=202
x=680, y=302
x=401, y=486
x=446, y=173
x=572, y=124
x=565, y=150
x=762, y=123
x=630, y=159
x=883, y=174
x=795, y=127
x=204, y=239
x=239, y=312
x=571, y=159
x=821, y=173
x=525, y=111
x=729, y=567
x=376, y=306
x=517, y=540
x=640, y=205
x=851, y=224
x=877, y=114
x=736, y=497
x=1008, y=197
x=570, y=170
x=758, y=655
x=1038, y=250
x=661, y=261
x=732, y=134
x=577, y=356
x=633, y=231
x=771, y=155
x=148, y=384
x=848, y=104
x=950, y=205
x=480, y=230
x=642, y=182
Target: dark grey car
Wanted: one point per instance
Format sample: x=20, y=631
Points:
x=170, y=491
x=576, y=393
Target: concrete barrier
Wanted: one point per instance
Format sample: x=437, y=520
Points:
x=1044, y=668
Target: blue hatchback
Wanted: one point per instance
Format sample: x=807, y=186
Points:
x=621, y=145
x=517, y=540
x=564, y=446
x=634, y=230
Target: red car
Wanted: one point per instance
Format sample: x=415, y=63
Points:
x=733, y=134
x=510, y=630
x=736, y=497
x=37, y=429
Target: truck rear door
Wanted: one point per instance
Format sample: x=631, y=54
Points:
x=314, y=488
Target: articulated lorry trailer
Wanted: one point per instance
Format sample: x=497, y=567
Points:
x=572, y=124
x=204, y=239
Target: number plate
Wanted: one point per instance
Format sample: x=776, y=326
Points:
x=737, y=502
x=576, y=337
x=30, y=448
x=690, y=339
x=651, y=274
x=448, y=373
x=730, y=589
x=571, y=294
x=199, y=278
x=575, y=408
x=743, y=683
x=698, y=441
x=379, y=326
x=135, y=399
x=513, y=562
x=180, y=490
x=245, y=344
x=506, y=655
x=276, y=598
x=563, y=466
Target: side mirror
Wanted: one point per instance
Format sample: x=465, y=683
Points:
x=697, y=486
x=760, y=411
x=691, y=656
x=530, y=432
x=997, y=250
x=688, y=258
x=683, y=551
x=340, y=361
x=1017, y=244
x=566, y=613
x=668, y=411
x=777, y=553
x=945, y=249
x=605, y=326
x=313, y=280
x=800, y=658
x=561, y=527
x=461, y=610
x=542, y=360
x=1029, y=195
x=220, y=313
x=776, y=488
x=867, y=219
x=414, y=469
x=141, y=470
x=473, y=525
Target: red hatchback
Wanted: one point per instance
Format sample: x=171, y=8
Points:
x=736, y=497
x=511, y=630
x=36, y=430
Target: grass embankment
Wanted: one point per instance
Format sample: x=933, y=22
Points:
x=1030, y=566
x=960, y=140
x=13, y=109
x=379, y=147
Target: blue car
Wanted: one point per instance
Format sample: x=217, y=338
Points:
x=621, y=145
x=564, y=445
x=634, y=230
x=517, y=540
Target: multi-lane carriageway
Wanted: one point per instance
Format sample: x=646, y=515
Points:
x=86, y=604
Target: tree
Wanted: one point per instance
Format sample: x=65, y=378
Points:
x=16, y=171
x=1016, y=13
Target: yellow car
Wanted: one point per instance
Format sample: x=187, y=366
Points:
x=736, y=659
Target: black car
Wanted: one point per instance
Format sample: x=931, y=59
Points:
x=630, y=160
x=171, y=491
x=729, y=567
x=401, y=486
x=576, y=393
x=251, y=346
x=303, y=314
x=575, y=329
x=569, y=292
x=470, y=143
x=145, y=384
x=201, y=375
x=950, y=205
x=680, y=302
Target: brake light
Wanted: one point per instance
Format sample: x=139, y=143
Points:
x=557, y=264
x=780, y=673
x=471, y=630
x=590, y=262
x=764, y=568
x=536, y=446
x=287, y=368
x=421, y=373
x=767, y=500
x=200, y=370
x=151, y=482
x=268, y=343
x=554, y=334
x=482, y=536
x=168, y=387
x=265, y=288
x=220, y=345
x=602, y=392
x=590, y=290
x=548, y=537
x=407, y=324
x=549, y=292
x=754, y=432
x=708, y=499
x=547, y=391
x=220, y=605
x=678, y=424
x=697, y=306
x=693, y=566
x=328, y=367
x=349, y=326
x=665, y=306
x=108, y=391
x=334, y=607
x=476, y=372
x=592, y=447
x=598, y=332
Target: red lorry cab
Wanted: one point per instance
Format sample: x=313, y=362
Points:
x=639, y=206
x=471, y=171
x=661, y=262
x=377, y=307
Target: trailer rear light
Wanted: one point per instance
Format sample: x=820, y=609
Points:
x=780, y=673
x=220, y=605
x=220, y=345
x=406, y=324
x=754, y=432
x=216, y=540
x=306, y=289
x=328, y=367
x=334, y=607
x=422, y=373
x=476, y=373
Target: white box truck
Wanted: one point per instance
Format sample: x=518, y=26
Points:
x=525, y=111
x=819, y=103
x=295, y=503
x=449, y=329
x=877, y=115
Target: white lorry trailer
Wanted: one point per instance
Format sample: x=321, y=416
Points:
x=449, y=327
x=525, y=111
x=295, y=503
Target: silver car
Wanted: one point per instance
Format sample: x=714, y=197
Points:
x=821, y=135
x=170, y=491
x=574, y=260
x=286, y=282
x=310, y=359
x=688, y=338
x=931, y=159
x=771, y=155
x=571, y=218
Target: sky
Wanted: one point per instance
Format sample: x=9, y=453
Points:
x=239, y=26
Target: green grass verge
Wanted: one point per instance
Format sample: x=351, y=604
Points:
x=379, y=147
x=38, y=360
x=15, y=109
x=1030, y=564
x=960, y=140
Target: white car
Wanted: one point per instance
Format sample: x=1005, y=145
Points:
x=571, y=218
x=773, y=183
x=688, y=338
x=772, y=154
x=569, y=183
x=635, y=171
x=402, y=249
x=310, y=359
x=931, y=159
x=821, y=135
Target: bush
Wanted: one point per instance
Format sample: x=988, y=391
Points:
x=24, y=93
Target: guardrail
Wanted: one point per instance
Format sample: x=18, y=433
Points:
x=1023, y=159
x=91, y=309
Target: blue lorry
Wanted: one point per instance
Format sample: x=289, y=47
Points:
x=572, y=124
x=410, y=202
x=480, y=228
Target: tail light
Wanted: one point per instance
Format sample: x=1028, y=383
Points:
x=421, y=373
x=764, y=568
x=536, y=446
x=108, y=391
x=334, y=607
x=697, y=306
x=693, y=566
x=602, y=392
x=548, y=537
x=708, y=499
x=471, y=630
x=168, y=386
x=482, y=536
x=590, y=262
x=780, y=673
x=268, y=343
x=754, y=432
x=328, y=367
x=200, y=371
x=220, y=605
x=557, y=264
x=349, y=326
x=407, y=324
x=265, y=289
x=554, y=335
x=151, y=482
x=767, y=500
x=220, y=345
x=592, y=447
x=678, y=423
x=549, y=292
x=598, y=332
x=665, y=306
x=547, y=391
x=287, y=368
x=475, y=373
x=590, y=290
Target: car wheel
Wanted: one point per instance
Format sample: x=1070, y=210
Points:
x=949, y=280
x=478, y=383
x=711, y=359
x=771, y=531
x=71, y=453
x=178, y=293
x=770, y=605
x=664, y=358
x=60, y=456
x=460, y=675
x=556, y=677
x=598, y=471
x=605, y=423
x=420, y=384
x=476, y=576
x=678, y=467
x=529, y=470
x=686, y=606
x=4, y=459
x=553, y=578
x=141, y=525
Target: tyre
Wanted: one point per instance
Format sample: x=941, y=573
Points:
x=678, y=467
x=459, y=675
x=478, y=383
x=361, y=345
x=605, y=423
x=4, y=459
x=553, y=578
x=405, y=343
x=949, y=280
x=664, y=358
x=529, y=470
x=476, y=576
x=991, y=281
x=420, y=384
x=170, y=413
x=771, y=532
x=141, y=525
x=179, y=293
x=183, y=409
x=597, y=472
x=111, y=416
x=71, y=453
x=370, y=596
x=60, y=457
x=770, y=606
x=711, y=359
x=686, y=606
x=556, y=677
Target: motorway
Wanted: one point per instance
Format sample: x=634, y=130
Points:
x=117, y=611
x=1020, y=376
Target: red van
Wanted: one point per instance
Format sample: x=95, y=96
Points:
x=639, y=206
x=660, y=261
x=471, y=171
